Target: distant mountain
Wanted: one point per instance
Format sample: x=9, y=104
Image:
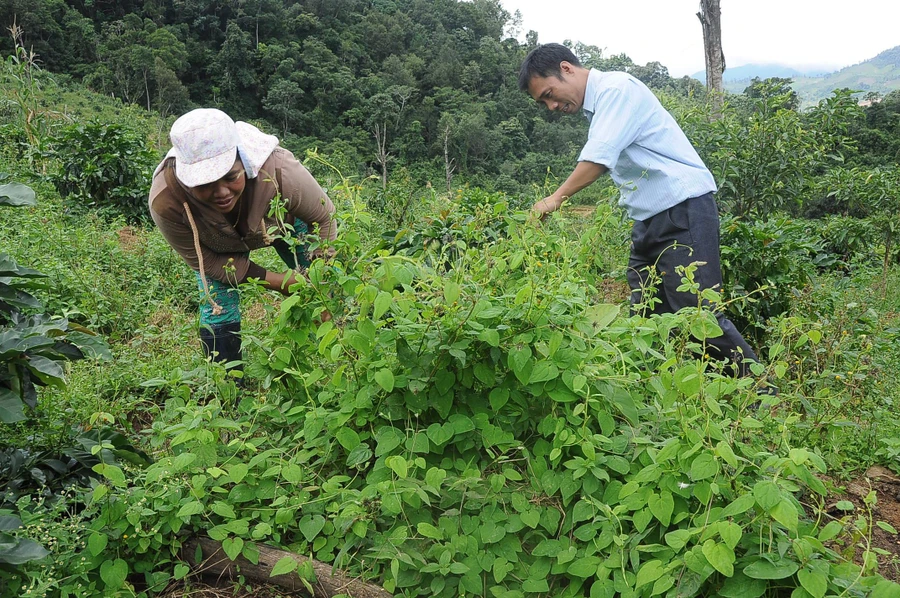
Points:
x=881, y=74
x=763, y=71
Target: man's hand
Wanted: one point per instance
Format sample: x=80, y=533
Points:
x=547, y=205
x=584, y=174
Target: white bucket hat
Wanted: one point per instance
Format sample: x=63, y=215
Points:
x=204, y=142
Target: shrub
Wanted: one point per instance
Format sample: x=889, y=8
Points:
x=106, y=166
x=764, y=265
x=765, y=158
x=848, y=239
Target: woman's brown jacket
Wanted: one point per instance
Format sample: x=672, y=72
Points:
x=225, y=247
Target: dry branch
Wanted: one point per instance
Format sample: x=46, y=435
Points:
x=329, y=581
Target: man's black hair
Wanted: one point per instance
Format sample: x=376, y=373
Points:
x=544, y=61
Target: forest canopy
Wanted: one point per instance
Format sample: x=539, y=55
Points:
x=425, y=85
x=417, y=88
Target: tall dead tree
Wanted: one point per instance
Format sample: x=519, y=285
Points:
x=711, y=19
x=449, y=163
x=382, y=156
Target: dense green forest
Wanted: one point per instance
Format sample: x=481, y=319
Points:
x=410, y=88
x=425, y=87
x=483, y=415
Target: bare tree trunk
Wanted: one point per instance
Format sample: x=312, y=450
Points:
x=711, y=19
x=888, y=241
x=403, y=96
x=449, y=165
x=401, y=217
x=329, y=581
x=381, y=154
x=147, y=89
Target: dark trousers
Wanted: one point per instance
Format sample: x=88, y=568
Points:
x=685, y=233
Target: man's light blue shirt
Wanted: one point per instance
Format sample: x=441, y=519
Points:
x=648, y=155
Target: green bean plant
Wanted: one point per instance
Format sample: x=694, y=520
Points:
x=489, y=430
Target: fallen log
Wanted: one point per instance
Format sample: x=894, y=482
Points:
x=329, y=581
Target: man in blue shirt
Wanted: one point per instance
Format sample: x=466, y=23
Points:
x=663, y=184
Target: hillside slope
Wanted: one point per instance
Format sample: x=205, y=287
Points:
x=880, y=74
x=745, y=72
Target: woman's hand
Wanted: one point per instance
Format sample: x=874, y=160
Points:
x=280, y=281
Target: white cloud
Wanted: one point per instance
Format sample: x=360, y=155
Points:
x=795, y=32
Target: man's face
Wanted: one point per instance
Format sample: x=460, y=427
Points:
x=564, y=93
x=223, y=194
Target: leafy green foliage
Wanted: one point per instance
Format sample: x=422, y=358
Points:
x=848, y=239
x=135, y=55
x=470, y=220
x=16, y=194
x=426, y=87
x=474, y=419
x=487, y=430
x=48, y=472
x=32, y=344
x=839, y=358
x=13, y=550
x=136, y=282
x=764, y=158
x=105, y=166
x=766, y=264
x=774, y=87
x=878, y=135
x=59, y=524
x=21, y=75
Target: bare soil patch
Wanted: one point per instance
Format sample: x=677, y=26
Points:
x=129, y=240
x=581, y=211
x=613, y=291
x=203, y=590
x=887, y=509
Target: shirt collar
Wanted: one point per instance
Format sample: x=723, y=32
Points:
x=590, y=91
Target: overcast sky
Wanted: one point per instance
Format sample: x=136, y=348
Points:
x=822, y=33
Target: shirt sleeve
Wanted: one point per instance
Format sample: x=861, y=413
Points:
x=616, y=123
x=305, y=199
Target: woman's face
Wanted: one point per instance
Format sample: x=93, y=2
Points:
x=223, y=194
